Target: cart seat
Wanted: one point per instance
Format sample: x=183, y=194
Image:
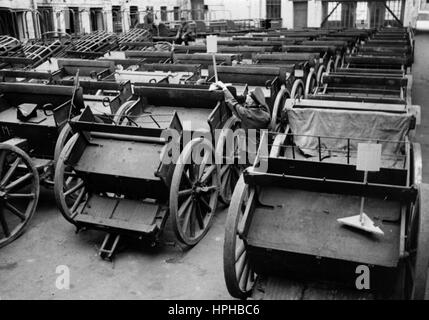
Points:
x=391, y=82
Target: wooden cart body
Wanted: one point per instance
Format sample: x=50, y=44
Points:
x=289, y=210
x=130, y=194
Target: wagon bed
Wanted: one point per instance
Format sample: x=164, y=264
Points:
x=313, y=230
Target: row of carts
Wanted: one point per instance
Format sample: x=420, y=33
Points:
x=126, y=136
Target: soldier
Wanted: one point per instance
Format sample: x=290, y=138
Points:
x=184, y=33
x=254, y=113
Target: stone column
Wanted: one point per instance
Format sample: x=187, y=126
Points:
x=59, y=19
x=108, y=19
x=85, y=20
x=125, y=18
x=287, y=13
x=314, y=13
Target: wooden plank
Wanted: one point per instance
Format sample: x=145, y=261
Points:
x=305, y=222
x=116, y=224
x=136, y=212
x=116, y=158
x=346, y=105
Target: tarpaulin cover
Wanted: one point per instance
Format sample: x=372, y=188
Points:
x=341, y=124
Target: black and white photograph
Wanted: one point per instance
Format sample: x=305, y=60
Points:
x=214, y=154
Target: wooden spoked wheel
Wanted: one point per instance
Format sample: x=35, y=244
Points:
x=64, y=136
x=194, y=194
x=310, y=84
x=319, y=74
x=278, y=144
x=19, y=192
x=281, y=98
x=70, y=191
x=417, y=242
x=329, y=68
x=239, y=276
x=338, y=62
x=120, y=115
x=229, y=172
x=297, y=89
x=413, y=272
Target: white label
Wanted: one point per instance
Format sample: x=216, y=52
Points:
x=299, y=73
x=320, y=60
x=368, y=157
x=211, y=44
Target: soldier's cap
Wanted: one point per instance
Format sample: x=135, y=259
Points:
x=258, y=96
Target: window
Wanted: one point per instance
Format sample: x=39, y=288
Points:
x=336, y=15
x=274, y=8
x=163, y=13
x=97, y=19
x=395, y=6
x=46, y=19
x=117, y=19
x=361, y=11
x=134, y=16
x=71, y=17
x=423, y=17
x=176, y=13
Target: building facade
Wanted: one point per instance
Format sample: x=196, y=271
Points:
x=26, y=19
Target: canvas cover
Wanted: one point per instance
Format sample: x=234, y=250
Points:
x=372, y=126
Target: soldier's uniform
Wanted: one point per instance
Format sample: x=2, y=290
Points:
x=183, y=34
x=254, y=113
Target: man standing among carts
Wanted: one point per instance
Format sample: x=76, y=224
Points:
x=184, y=33
x=254, y=113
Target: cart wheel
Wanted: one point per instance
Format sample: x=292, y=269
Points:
x=70, y=191
x=64, y=136
x=278, y=144
x=229, y=173
x=239, y=276
x=338, y=62
x=414, y=273
x=319, y=74
x=19, y=192
x=310, y=84
x=297, y=89
x=193, y=195
x=415, y=270
x=281, y=98
x=122, y=112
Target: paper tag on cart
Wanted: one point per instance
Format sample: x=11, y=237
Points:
x=368, y=157
x=211, y=44
x=299, y=73
x=321, y=60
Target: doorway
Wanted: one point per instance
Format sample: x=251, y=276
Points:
x=300, y=9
